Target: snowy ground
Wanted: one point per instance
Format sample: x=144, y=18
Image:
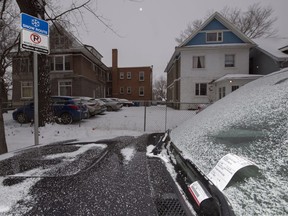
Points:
x=129, y=121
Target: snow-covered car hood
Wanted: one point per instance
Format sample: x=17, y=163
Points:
x=252, y=123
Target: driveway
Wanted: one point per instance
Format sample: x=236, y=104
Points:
x=115, y=178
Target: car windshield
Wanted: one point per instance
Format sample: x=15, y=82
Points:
x=251, y=123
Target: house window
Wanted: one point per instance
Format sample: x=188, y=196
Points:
x=128, y=75
x=201, y=89
x=222, y=92
x=141, y=91
x=233, y=88
x=141, y=76
x=21, y=65
x=214, y=37
x=65, y=88
x=67, y=60
x=121, y=75
x=27, y=89
x=59, y=41
x=121, y=90
x=229, y=60
x=109, y=91
x=198, y=61
x=60, y=63
x=129, y=90
x=109, y=76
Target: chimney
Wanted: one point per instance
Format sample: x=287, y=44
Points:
x=114, y=59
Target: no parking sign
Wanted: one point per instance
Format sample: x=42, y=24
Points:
x=34, y=34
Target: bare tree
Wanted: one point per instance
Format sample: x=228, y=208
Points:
x=257, y=21
x=49, y=11
x=160, y=88
x=10, y=36
x=190, y=28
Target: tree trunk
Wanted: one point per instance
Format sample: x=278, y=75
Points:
x=45, y=110
x=34, y=8
x=3, y=144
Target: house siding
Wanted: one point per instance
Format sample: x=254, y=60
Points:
x=262, y=63
x=133, y=83
x=214, y=24
x=228, y=38
x=173, y=83
x=214, y=68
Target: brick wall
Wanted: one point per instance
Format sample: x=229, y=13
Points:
x=133, y=83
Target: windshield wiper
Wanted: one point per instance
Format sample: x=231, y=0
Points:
x=203, y=195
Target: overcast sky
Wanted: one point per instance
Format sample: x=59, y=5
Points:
x=148, y=28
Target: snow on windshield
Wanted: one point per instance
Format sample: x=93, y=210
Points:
x=72, y=155
x=10, y=195
x=128, y=153
x=258, y=106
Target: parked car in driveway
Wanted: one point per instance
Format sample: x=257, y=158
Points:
x=111, y=104
x=69, y=109
x=126, y=102
x=66, y=109
x=94, y=106
x=102, y=105
x=238, y=147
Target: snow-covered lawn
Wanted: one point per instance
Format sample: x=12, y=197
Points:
x=129, y=121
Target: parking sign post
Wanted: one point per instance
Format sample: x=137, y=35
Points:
x=36, y=109
x=35, y=38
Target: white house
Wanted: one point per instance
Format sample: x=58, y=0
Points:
x=217, y=49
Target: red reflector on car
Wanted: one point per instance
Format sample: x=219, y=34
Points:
x=73, y=107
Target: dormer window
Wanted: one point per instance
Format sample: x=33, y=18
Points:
x=214, y=36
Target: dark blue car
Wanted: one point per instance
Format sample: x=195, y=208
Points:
x=66, y=110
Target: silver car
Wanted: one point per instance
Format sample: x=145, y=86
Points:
x=94, y=107
x=111, y=104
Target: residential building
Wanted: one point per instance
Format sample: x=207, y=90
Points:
x=271, y=54
x=217, y=49
x=132, y=83
x=75, y=69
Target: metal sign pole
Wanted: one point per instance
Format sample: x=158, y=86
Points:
x=35, y=38
x=36, y=120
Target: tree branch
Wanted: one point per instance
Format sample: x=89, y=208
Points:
x=70, y=10
x=105, y=24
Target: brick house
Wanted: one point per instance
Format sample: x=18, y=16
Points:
x=132, y=83
x=75, y=69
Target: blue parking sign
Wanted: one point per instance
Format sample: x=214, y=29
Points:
x=34, y=24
